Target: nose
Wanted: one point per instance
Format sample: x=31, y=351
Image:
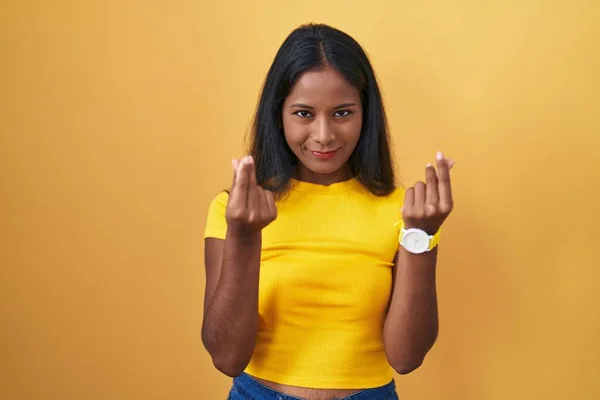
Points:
x=323, y=133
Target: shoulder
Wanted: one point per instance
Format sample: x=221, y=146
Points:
x=398, y=191
x=395, y=200
x=218, y=204
x=395, y=196
x=216, y=224
x=220, y=200
x=387, y=203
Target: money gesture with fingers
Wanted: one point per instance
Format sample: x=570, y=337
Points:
x=250, y=207
x=427, y=205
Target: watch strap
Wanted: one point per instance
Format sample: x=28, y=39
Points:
x=434, y=239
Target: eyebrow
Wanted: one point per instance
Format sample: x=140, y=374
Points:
x=301, y=105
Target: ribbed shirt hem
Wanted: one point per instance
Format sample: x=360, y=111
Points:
x=324, y=383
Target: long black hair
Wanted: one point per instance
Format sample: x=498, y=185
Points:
x=308, y=47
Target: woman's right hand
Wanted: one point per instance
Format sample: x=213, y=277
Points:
x=250, y=207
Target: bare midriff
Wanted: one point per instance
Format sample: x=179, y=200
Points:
x=308, y=393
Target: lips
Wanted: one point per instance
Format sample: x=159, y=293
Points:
x=323, y=155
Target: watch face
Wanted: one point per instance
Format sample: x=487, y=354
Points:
x=416, y=241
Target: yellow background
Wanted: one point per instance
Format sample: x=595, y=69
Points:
x=119, y=119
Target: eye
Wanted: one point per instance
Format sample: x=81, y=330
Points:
x=342, y=113
x=303, y=114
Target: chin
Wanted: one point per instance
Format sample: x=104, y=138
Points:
x=323, y=168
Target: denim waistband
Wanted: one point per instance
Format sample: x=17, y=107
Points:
x=252, y=389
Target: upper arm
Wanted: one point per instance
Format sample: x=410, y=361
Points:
x=213, y=257
x=214, y=241
x=394, y=272
x=398, y=198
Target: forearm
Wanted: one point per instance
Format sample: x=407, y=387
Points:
x=231, y=320
x=411, y=325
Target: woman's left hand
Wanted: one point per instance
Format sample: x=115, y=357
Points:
x=427, y=205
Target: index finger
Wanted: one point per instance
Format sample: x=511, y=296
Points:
x=432, y=193
x=239, y=191
x=252, y=172
x=444, y=185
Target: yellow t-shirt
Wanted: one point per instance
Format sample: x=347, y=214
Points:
x=325, y=283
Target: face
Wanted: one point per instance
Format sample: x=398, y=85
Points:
x=322, y=120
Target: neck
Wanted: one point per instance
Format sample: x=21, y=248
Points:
x=305, y=175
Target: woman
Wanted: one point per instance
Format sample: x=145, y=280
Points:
x=308, y=292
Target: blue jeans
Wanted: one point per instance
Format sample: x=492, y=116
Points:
x=247, y=388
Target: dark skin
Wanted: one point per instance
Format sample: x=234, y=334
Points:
x=322, y=113
x=232, y=269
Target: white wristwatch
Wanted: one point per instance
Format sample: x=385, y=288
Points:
x=417, y=241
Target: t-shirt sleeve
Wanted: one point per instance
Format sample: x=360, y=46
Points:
x=216, y=224
x=399, y=195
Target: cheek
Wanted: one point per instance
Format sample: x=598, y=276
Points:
x=351, y=131
x=295, y=133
